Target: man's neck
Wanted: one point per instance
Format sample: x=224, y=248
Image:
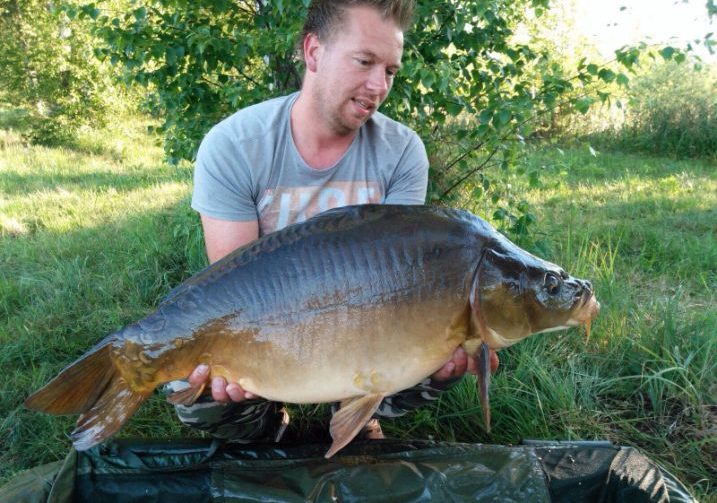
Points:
x=318, y=145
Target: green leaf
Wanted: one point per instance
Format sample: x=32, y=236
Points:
x=500, y=214
x=428, y=79
x=91, y=11
x=606, y=75
x=627, y=58
x=667, y=52
x=583, y=105
x=453, y=108
x=483, y=130
x=503, y=117
x=140, y=14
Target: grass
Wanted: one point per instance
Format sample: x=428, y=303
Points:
x=93, y=236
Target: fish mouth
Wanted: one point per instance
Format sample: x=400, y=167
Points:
x=586, y=306
x=590, y=307
x=587, y=310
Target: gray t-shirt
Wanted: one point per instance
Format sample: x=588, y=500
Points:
x=248, y=168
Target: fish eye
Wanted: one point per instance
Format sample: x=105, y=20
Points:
x=552, y=283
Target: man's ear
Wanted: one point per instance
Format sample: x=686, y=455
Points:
x=312, y=50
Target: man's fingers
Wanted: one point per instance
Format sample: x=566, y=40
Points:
x=219, y=389
x=460, y=359
x=472, y=366
x=445, y=372
x=236, y=393
x=199, y=375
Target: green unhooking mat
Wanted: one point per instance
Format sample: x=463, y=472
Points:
x=377, y=471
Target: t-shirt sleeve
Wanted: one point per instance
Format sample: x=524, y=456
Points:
x=222, y=180
x=410, y=179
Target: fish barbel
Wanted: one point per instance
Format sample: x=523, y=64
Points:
x=352, y=305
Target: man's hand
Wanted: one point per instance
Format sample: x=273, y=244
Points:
x=460, y=363
x=221, y=391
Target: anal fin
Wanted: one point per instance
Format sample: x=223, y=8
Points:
x=350, y=418
x=186, y=396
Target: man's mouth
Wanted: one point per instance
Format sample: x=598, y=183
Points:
x=366, y=105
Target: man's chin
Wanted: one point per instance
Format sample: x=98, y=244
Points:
x=350, y=127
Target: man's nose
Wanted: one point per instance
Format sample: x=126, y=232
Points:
x=378, y=81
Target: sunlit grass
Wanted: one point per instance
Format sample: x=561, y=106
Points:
x=644, y=231
x=90, y=239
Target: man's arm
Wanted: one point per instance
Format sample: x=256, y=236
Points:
x=222, y=237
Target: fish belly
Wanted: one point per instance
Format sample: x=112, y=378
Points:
x=341, y=352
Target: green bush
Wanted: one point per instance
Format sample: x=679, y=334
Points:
x=50, y=131
x=48, y=69
x=671, y=110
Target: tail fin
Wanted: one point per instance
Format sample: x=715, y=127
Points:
x=106, y=417
x=78, y=386
x=90, y=386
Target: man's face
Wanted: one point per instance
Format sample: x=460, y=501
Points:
x=355, y=68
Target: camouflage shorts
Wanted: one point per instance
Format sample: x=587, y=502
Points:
x=250, y=420
x=254, y=420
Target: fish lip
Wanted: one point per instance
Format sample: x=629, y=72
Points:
x=587, y=306
x=585, y=297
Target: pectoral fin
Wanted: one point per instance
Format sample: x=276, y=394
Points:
x=483, y=364
x=350, y=418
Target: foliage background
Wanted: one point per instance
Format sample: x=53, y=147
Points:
x=468, y=86
x=48, y=68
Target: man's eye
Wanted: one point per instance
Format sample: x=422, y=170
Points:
x=363, y=62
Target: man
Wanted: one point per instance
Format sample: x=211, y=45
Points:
x=284, y=160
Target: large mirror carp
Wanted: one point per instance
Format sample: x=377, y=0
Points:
x=352, y=305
